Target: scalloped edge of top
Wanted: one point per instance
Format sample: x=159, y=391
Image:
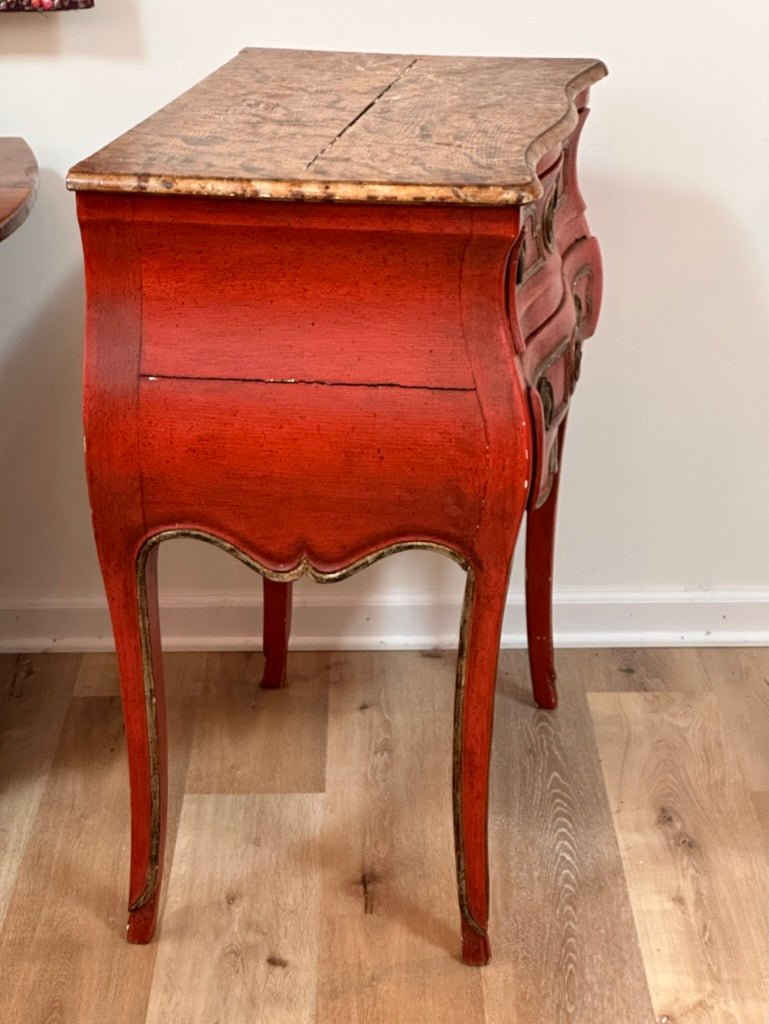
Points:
x=363, y=191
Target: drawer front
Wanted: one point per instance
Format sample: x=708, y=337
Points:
x=549, y=395
x=549, y=227
x=536, y=287
x=272, y=304
x=552, y=359
x=331, y=472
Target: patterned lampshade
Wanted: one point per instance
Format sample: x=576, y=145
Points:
x=39, y=6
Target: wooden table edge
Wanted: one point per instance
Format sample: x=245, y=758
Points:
x=20, y=176
x=320, y=190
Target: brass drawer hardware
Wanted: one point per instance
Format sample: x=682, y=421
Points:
x=576, y=366
x=545, y=392
x=520, y=268
x=548, y=219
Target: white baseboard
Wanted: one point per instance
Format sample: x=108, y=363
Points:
x=325, y=621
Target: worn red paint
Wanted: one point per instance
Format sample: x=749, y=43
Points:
x=313, y=383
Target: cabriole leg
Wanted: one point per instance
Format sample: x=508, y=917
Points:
x=133, y=601
x=540, y=547
x=277, y=626
x=484, y=607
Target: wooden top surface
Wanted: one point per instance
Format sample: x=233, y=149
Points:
x=18, y=184
x=296, y=124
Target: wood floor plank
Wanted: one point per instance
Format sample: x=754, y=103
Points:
x=635, y=669
x=739, y=677
x=760, y=801
x=7, y=667
x=185, y=672
x=34, y=693
x=249, y=740
x=64, y=959
x=98, y=676
x=63, y=954
x=341, y=907
x=689, y=840
x=238, y=941
x=564, y=942
x=390, y=936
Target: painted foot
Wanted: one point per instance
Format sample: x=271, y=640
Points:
x=476, y=950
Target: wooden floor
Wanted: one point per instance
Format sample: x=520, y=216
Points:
x=311, y=861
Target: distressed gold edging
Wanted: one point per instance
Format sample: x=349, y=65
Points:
x=303, y=568
x=459, y=707
x=550, y=360
x=552, y=472
x=585, y=271
x=150, y=712
x=309, y=190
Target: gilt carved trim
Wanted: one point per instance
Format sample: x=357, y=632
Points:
x=304, y=567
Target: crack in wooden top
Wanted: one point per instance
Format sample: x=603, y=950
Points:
x=358, y=116
x=314, y=125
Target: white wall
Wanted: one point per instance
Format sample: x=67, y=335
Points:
x=663, y=526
